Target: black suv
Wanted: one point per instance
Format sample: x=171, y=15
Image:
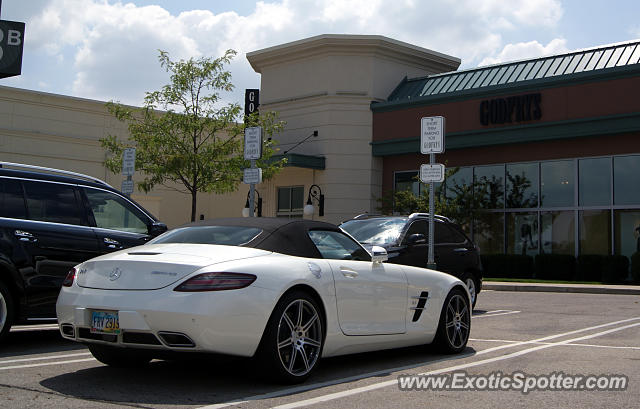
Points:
x=51, y=220
x=406, y=240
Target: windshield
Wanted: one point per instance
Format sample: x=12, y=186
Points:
x=227, y=235
x=376, y=232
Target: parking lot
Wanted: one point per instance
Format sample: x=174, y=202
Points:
x=512, y=332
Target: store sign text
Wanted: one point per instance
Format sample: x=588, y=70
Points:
x=511, y=109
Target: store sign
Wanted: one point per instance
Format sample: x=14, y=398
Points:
x=251, y=101
x=11, y=45
x=511, y=109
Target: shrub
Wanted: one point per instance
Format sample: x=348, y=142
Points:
x=507, y=265
x=615, y=269
x=635, y=266
x=590, y=267
x=555, y=266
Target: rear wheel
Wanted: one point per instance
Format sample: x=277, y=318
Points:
x=119, y=357
x=6, y=310
x=293, y=339
x=469, y=280
x=455, y=323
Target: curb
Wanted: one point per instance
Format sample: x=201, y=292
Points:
x=562, y=288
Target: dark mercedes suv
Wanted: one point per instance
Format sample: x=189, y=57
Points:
x=406, y=240
x=51, y=220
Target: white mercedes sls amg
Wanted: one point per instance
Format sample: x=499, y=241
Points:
x=286, y=291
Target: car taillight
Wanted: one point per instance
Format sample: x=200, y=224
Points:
x=68, y=280
x=216, y=282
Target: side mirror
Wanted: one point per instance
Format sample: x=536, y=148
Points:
x=417, y=238
x=157, y=229
x=379, y=254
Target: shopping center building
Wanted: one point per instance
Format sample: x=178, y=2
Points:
x=553, y=143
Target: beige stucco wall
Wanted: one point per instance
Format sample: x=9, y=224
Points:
x=63, y=132
x=327, y=83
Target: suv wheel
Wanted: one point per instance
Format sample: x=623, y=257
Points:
x=6, y=310
x=469, y=280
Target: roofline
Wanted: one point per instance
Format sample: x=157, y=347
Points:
x=350, y=44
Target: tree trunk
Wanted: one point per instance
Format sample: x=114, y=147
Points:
x=194, y=195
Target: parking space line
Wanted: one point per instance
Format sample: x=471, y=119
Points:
x=392, y=382
x=300, y=389
x=11, y=361
x=46, y=364
x=504, y=341
x=491, y=314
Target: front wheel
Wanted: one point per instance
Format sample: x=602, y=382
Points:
x=6, y=311
x=119, y=357
x=455, y=323
x=293, y=339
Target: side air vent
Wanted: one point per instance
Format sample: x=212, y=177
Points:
x=422, y=302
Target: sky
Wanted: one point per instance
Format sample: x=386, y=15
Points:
x=107, y=50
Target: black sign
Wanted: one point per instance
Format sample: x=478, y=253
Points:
x=251, y=101
x=506, y=110
x=11, y=44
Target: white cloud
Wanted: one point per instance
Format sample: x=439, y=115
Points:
x=531, y=49
x=114, y=45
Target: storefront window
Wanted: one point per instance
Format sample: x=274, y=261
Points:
x=489, y=186
x=626, y=170
x=522, y=185
x=557, y=232
x=459, y=183
x=595, y=182
x=290, y=201
x=522, y=233
x=627, y=227
x=488, y=232
x=595, y=232
x=407, y=181
x=557, y=184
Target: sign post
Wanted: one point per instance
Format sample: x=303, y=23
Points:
x=431, y=142
x=252, y=152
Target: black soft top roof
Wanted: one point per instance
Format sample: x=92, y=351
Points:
x=286, y=236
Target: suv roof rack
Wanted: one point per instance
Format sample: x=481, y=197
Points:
x=436, y=216
x=53, y=170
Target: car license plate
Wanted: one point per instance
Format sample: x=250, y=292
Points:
x=105, y=322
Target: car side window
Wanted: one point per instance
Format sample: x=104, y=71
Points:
x=417, y=227
x=12, y=199
x=113, y=212
x=446, y=234
x=53, y=202
x=337, y=246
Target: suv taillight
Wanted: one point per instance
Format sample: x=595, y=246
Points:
x=216, y=282
x=68, y=280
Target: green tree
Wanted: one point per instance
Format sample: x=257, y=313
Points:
x=184, y=140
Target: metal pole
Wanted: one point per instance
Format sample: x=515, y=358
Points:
x=431, y=259
x=252, y=191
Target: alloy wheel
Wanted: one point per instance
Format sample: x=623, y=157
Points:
x=299, y=337
x=457, y=321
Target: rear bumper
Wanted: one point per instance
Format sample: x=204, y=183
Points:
x=225, y=322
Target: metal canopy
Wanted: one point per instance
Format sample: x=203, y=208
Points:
x=509, y=74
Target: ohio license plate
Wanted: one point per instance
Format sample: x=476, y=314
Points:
x=105, y=322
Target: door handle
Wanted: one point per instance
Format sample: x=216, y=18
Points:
x=461, y=250
x=348, y=273
x=25, y=236
x=111, y=243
